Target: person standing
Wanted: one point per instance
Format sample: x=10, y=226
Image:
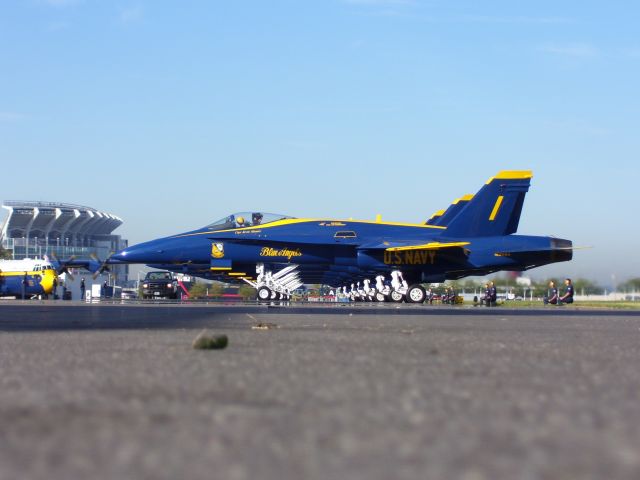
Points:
x=25, y=282
x=493, y=295
x=82, y=288
x=568, y=295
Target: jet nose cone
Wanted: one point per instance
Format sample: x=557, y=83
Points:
x=133, y=255
x=148, y=252
x=119, y=257
x=130, y=255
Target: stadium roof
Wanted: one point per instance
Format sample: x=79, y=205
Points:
x=51, y=219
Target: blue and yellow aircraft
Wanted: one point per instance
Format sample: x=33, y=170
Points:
x=476, y=236
x=29, y=276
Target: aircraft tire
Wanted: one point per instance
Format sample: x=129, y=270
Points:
x=274, y=294
x=396, y=297
x=380, y=297
x=264, y=293
x=416, y=294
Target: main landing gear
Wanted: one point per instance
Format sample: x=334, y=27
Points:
x=397, y=291
x=276, y=286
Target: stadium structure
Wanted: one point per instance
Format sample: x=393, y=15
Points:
x=36, y=229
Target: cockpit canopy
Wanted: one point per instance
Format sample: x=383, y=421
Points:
x=41, y=268
x=246, y=219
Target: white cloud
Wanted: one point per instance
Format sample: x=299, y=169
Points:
x=61, y=3
x=516, y=19
x=632, y=52
x=57, y=26
x=131, y=14
x=579, y=127
x=380, y=2
x=10, y=116
x=384, y=8
x=580, y=50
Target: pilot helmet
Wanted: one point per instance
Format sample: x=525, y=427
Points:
x=257, y=216
x=240, y=220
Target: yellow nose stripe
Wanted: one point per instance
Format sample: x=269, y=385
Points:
x=47, y=281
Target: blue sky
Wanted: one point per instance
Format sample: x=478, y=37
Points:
x=173, y=114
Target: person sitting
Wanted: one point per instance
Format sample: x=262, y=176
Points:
x=240, y=221
x=568, y=295
x=429, y=298
x=552, y=296
x=445, y=296
x=451, y=296
x=256, y=218
x=484, y=300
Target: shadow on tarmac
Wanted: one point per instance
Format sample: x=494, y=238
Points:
x=43, y=316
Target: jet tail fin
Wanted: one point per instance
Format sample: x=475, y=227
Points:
x=442, y=217
x=495, y=210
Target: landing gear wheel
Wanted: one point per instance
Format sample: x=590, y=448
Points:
x=416, y=294
x=380, y=297
x=396, y=297
x=264, y=293
x=274, y=294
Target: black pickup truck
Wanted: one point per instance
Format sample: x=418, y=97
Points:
x=160, y=285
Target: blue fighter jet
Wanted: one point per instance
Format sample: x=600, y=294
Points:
x=276, y=253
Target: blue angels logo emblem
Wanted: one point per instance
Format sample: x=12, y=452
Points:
x=217, y=250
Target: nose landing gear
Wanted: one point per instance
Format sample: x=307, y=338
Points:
x=275, y=286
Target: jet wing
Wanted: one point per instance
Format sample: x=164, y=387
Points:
x=400, y=246
x=390, y=246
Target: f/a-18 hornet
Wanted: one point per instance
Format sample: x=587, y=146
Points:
x=277, y=254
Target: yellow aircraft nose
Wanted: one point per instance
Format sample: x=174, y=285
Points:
x=47, y=281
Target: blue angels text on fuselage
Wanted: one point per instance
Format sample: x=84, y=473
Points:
x=475, y=236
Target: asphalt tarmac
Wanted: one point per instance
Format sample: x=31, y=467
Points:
x=326, y=393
